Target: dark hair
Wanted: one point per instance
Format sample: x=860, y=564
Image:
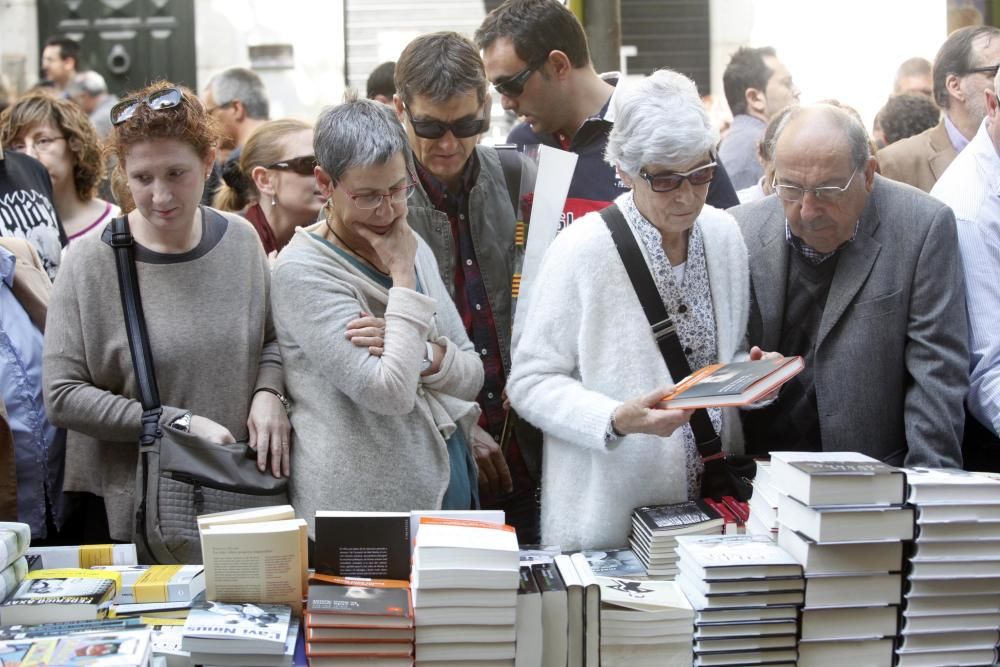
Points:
x=382, y=81
x=746, y=69
x=81, y=138
x=439, y=66
x=68, y=48
x=237, y=83
x=536, y=28
x=187, y=122
x=956, y=57
x=907, y=114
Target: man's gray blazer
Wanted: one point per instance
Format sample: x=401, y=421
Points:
x=891, y=361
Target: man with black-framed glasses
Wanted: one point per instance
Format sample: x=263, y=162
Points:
x=463, y=207
x=537, y=58
x=861, y=277
x=963, y=69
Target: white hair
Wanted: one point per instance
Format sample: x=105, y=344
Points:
x=89, y=82
x=659, y=120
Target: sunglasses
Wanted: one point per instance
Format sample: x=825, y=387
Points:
x=304, y=165
x=168, y=98
x=672, y=180
x=435, y=129
x=513, y=86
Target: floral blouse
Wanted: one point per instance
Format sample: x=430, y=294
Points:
x=689, y=304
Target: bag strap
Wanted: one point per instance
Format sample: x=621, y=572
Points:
x=664, y=330
x=135, y=326
x=510, y=162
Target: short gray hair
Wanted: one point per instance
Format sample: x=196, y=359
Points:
x=241, y=84
x=89, y=82
x=659, y=120
x=357, y=133
x=857, y=136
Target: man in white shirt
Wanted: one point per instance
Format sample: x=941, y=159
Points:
x=971, y=187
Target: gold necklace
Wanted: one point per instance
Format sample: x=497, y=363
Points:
x=348, y=247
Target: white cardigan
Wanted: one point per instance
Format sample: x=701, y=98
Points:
x=586, y=347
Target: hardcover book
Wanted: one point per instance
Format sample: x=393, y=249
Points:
x=732, y=385
x=837, y=478
x=945, y=487
x=715, y=557
x=372, y=545
x=847, y=523
x=695, y=516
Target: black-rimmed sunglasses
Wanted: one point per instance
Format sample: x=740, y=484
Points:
x=670, y=181
x=304, y=165
x=435, y=129
x=168, y=98
x=513, y=86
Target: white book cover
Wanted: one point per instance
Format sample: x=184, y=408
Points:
x=937, y=658
x=262, y=626
x=837, y=478
x=482, y=516
x=847, y=523
x=935, y=486
x=447, y=543
x=734, y=551
x=648, y=596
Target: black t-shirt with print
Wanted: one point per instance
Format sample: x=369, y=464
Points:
x=26, y=209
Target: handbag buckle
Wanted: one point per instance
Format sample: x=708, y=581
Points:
x=121, y=240
x=150, y=427
x=664, y=328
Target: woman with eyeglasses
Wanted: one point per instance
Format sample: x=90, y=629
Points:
x=377, y=362
x=59, y=134
x=204, y=283
x=272, y=184
x=587, y=369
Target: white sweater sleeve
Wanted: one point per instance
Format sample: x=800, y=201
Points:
x=544, y=385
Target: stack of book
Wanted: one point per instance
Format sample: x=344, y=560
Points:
x=655, y=529
x=763, y=503
x=359, y=621
x=465, y=586
x=241, y=635
x=14, y=541
x=70, y=594
x=162, y=591
x=952, y=612
x=645, y=623
x=583, y=610
x=746, y=591
x=841, y=516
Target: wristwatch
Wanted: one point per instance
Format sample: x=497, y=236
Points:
x=428, y=357
x=281, y=397
x=183, y=423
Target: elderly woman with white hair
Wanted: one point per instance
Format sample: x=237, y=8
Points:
x=380, y=374
x=587, y=369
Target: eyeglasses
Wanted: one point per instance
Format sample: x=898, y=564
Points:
x=168, y=98
x=513, y=86
x=41, y=144
x=989, y=69
x=794, y=193
x=435, y=129
x=220, y=106
x=367, y=202
x=304, y=165
x=670, y=181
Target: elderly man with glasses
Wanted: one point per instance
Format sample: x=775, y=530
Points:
x=862, y=277
x=963, y=68
x=464, y=208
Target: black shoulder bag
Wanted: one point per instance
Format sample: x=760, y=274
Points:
x=179, y=475
x=724, y=475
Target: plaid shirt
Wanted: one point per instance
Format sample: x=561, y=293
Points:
x=810, y=253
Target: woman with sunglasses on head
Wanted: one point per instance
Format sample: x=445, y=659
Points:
x=59, y=134
x=377, y=362
x=204, y=283
x=587, y=369
x=272, y=184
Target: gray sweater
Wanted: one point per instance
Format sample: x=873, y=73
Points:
x=367, y=431
x=211, y=338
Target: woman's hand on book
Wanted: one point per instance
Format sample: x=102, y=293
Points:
x=643, y=414
x=756, y=354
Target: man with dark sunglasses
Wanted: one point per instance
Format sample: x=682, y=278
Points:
x=463, y=209
x=536, y=56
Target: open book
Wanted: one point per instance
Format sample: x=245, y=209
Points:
x=732, y=385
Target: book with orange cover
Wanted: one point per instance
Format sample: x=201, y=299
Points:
x=361, y=603
x=732, y=385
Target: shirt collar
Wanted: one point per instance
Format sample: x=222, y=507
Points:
x=7, y=263
x=436, y=189
x=810, y=253
x=957, y=139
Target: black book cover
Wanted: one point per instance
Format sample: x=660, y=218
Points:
x=678, y=515
x=362, y=600
x=547, y=577
x=355, y=544
x=527, y=584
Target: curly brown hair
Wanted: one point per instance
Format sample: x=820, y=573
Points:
x=81, y=138
x=187, y=122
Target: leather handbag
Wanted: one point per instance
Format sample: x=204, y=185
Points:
x=179, y=475
x=724, y=475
